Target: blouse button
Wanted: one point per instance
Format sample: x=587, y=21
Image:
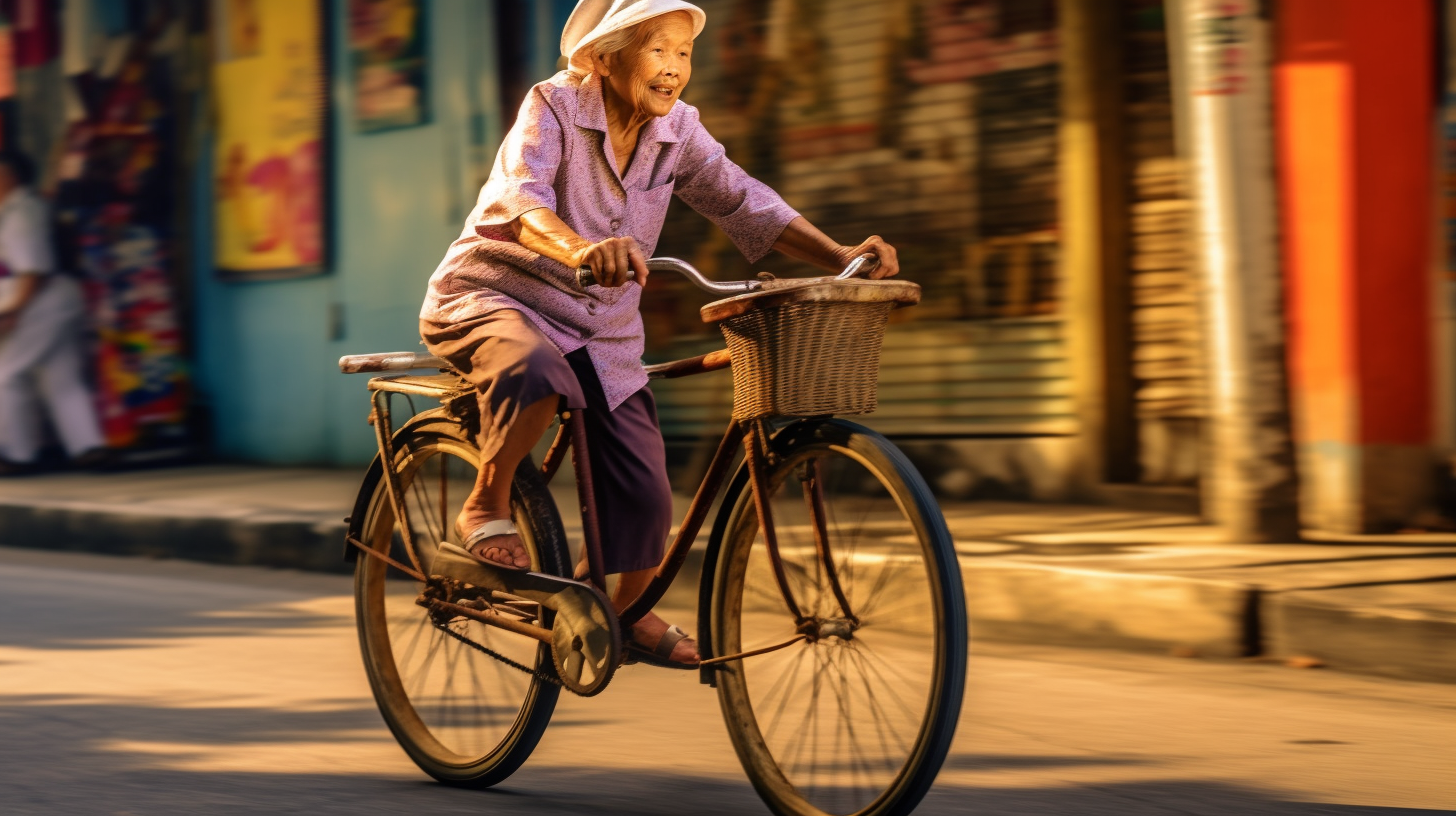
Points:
x=616, y=223
x=591, y=308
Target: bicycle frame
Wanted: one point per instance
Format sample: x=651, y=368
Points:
x=753, y=436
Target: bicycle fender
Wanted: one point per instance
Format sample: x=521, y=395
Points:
x=373, y=476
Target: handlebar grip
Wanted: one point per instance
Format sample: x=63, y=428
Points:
x=585, y=277
x=864, y=264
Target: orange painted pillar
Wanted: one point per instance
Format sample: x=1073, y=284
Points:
x=1354, y=104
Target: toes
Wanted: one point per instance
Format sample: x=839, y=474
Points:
x=686, y=651
x=513, y=555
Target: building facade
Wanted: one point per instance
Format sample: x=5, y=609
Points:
x=1027, y=158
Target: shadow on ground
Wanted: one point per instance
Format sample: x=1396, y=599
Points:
x=126, y=611
x=72, y=755
x=87, y=773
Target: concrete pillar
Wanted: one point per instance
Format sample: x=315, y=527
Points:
x=1354, y=102
x=1220, y=49
x=1093, y=216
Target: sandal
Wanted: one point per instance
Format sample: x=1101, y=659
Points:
x=491, y=529
x=661, y=654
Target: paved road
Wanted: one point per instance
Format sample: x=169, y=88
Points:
x=137, y=687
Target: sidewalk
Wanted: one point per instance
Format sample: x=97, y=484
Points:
x=1075, y=575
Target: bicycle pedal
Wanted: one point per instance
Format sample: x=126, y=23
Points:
x=586, y=637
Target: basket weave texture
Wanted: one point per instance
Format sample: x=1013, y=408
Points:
x=806, y=359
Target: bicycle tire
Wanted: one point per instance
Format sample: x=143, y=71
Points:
x=457, y=738
x=915, y=545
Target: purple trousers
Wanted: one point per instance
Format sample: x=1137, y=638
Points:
x=512, y=366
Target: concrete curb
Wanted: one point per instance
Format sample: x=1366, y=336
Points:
x=1083, y=607
x=289, y=543
x=1372, y=629
x=1397, y=631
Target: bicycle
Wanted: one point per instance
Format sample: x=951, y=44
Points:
x=831, y=615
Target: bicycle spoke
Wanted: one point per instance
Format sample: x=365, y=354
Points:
x=880, y=716
x=870, y=653
x=805, y=731
x=842, y=720
x=768, y=698
x=423, y=510
x=871, y=602
x=444, y=498
x=845, y=721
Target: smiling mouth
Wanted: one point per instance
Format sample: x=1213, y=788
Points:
x=661, y=91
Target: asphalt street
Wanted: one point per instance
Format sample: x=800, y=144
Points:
x=132, y=686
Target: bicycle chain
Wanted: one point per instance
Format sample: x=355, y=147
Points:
x=536, y=673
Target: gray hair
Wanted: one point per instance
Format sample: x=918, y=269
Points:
x=613, y=42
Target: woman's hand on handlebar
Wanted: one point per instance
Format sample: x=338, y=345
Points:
x=611, y=261
x=876, y=246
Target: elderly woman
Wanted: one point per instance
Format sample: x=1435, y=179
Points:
x=584, y=179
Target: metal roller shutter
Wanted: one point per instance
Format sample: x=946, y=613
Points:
x=932, y=123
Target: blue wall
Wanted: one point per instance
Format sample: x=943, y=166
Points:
x=265, y=358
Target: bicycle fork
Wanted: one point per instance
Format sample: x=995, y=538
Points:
x=757, y=448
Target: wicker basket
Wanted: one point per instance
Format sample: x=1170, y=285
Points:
x=807, y=348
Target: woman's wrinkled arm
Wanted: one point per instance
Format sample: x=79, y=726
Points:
x=544, y=233
x=754, y=216
x=802, y=241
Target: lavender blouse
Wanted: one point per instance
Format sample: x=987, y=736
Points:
x=557, y=157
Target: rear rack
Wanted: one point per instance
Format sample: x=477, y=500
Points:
x=412, y=361
x=391, y=361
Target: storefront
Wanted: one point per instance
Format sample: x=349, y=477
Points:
x=97, y=95
x=939, y=125
x=253, y=188
x=1040, y=364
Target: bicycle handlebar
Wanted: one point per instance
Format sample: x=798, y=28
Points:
x=585, y=277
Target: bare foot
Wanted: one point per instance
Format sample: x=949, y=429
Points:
x=647, y=632
x=500, y=550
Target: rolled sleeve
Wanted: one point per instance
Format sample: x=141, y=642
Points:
x=749, y=211
x=25, y=238
x=525, y=173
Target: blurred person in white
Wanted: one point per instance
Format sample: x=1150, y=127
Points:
x=42, y=319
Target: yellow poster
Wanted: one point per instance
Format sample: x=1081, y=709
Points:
x=270, y=89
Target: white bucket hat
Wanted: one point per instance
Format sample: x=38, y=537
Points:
x=593, y=19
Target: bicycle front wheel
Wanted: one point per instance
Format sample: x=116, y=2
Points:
x=858, y=717
x=464, y=716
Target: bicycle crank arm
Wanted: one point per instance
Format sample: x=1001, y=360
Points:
x=489, y=617
x=586, y=640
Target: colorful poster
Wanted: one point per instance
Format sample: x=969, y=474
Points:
x=386, y=39
x=269, y=83
x=141, y=377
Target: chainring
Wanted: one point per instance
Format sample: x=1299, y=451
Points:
x=586, y=636
x=586, y=641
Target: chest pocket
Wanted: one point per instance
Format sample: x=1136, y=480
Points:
x=647, y=209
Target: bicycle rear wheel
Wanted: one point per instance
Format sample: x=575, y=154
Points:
x=463, y=716
x=858, y=718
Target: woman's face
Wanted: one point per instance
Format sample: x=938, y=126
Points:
x=652, y=72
